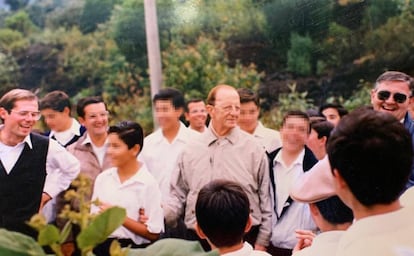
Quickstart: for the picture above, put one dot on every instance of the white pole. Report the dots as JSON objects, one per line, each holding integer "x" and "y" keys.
{"x": 153, "y": 50}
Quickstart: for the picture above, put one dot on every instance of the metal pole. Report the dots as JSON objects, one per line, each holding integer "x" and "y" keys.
{"x": 153, "y": 50}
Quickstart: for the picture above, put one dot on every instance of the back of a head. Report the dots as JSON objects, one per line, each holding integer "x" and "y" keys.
{"x": 372, "y": 151}
{"x": 172, "y": 94}
{"x": 222, "y": 212}
{"x": 334, "y": 211}
{"x": 323, "y": 128}
{"x": 55, "y": 100}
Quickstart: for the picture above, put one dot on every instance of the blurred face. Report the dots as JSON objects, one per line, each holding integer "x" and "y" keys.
{"x": 197, "y": 115}
{"x": 331, "y": 115}
{"x": 96, "y": 119}
{"x": 21, "y": 119}
{"x": 391, "y": 97}
{"x": 55, "y": 120}
{"x": 294, "y": 133}
{"x": 119, "y": 152}
{"x": 249, "y": 115}
{"x": 226, "y": 110}
{"x": 167, "y": 116}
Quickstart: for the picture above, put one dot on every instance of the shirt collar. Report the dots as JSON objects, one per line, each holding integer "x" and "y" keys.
{"x": 182, "y": 134}
{"x": 74, "y": 128}
{"x": 89, "y": 141}
{"x": 298, "y": 160}
{"x": 232, "y": 136}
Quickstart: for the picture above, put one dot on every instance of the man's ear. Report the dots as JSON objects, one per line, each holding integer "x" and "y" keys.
{"x": 66, "y": 110}
{"x": 199, "y": 232}
{"x": 339, "y": 180}
{"x": 81, "y": 120}
{"x": 248, "y": 224}
{"x": 314, "y": 209}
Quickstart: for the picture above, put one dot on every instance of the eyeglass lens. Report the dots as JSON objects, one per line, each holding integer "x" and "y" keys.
{"x": 398, "y": 97}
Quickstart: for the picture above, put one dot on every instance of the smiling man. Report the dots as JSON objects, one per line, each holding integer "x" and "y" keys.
{"x": 33, "y": 168}
{"x": 393, "y": 94}
{"x": 224, "y": 151}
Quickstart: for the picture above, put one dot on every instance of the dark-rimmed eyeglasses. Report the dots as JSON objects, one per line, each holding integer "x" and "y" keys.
{"x": 398, "y": 97}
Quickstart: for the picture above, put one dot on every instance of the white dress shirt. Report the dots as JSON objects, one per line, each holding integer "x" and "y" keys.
{"x": 61, "y": 166}
{"x": 65, "y": 136}
{"x": 139, "y": 191}
{"x": 160, "y": 156}
{"x": 270, "y": 139}
{"x": 298, "y": 214}
{"x": 324, "y": 244}
{"x": 246, "y": 250}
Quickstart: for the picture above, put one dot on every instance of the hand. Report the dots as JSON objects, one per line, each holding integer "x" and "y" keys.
{"x": 305, "y": 238}
{"x": 45, "y": 198}
{"x": 141, "y": 216}
{"x": 259, "y": 247}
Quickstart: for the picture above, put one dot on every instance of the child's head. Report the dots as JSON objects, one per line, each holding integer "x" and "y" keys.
{"x": 130, "y": 133}
{"x": 222, "y": 212}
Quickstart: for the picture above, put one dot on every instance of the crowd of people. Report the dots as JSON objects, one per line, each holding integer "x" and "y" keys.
{"x": 327, "y": 183}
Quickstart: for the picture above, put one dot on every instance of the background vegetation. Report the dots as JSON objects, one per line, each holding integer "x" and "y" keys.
{"x": 296, "y": 53}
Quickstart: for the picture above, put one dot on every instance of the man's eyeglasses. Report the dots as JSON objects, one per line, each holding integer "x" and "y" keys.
{"x": 398, "y": 97}
{"x": 23, "y": 114}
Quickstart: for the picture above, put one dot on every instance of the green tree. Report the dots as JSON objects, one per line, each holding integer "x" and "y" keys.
{"x": 195, "y": 69}
{"x": 95, "y": 12}
{"x": 21, "y": 22}
{"x": 300, "y": 54}
{"x": 17, "y": 4}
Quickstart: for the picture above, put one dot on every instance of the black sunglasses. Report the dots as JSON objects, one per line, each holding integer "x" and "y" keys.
{"x": 398, "y": 97}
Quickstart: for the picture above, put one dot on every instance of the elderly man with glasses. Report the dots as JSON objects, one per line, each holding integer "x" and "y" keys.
{"x": 393, "y": 94}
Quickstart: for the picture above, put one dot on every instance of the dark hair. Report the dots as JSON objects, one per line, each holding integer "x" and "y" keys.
{"x": 176, "y": 97}
{"x": 341, "y": 110}
{"x": 396, "y": 76}
{"x": 222, "y": 211}
{"x": 334, "y": 211}
{"x": 195, "y": 100}
{"x": 82, "y": 103}
{"x": 323, "y": 128}
{"x": 373, "y": 153}
{"x": 55, "y": 100}
{"x": 248, "y": 95}
{"x": 296, "y": 113}
{"x": 129, "y": 132}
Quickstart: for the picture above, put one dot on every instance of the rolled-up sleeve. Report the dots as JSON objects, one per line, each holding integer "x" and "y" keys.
{"x": 61, "y": 167}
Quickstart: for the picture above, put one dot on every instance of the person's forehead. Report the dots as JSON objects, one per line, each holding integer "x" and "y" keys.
{"x": 95, "y": 107}
{"x": 198, "y": 104}
{"x": 394, "y": 86}
{"x": 296, "y": 120}
{"x": 227, "y": 95}
{"x": 330, "y": 111}
{"x": 25, "y": 103}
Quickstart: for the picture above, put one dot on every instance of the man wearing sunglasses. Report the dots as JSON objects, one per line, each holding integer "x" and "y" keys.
{"x": 393, "y": 94}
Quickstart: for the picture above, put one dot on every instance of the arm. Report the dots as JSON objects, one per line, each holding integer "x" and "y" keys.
{"x": 61, "y": 167}
{"x": 174, "y": 205}
{"x": 263, "y": 236}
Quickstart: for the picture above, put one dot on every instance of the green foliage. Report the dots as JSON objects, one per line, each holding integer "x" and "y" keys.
{"x": 293, "y": 100}
{"x": 300, "y": 54}
{"x": 9, "y": 72}
{"x": 195, "y": 69}
{"x": 21, "y": 22}
{"x": 95, "y": 12}
{"x": 16, "y": 4}
{"x": 360, "y": 97}
{"x": 379, "y": 11}
{"x": 12, "y": 40}
{"x": 61, "y": 14}
{"x": 16, "y": 244}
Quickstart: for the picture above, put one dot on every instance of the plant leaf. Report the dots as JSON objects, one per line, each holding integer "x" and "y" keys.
{"x": 17, "y": 244}
{"x": 101, "y": 227}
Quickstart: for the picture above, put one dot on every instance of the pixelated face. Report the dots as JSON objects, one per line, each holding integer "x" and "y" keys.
{"x": 167, "y": 116}
{"x": 294, "y": 133}
{"x": 249, "y": 115}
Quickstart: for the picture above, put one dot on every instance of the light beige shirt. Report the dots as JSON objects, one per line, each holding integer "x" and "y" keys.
{"x": 236, "y": 157}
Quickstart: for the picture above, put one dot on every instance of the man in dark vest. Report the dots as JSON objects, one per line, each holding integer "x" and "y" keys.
{"x": 33, "y": 168}
{"x": 286, "y": 165}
